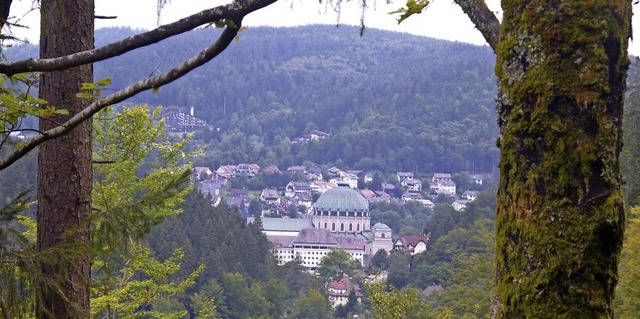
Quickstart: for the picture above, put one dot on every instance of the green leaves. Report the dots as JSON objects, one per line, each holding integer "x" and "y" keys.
{"x": 228, "y": 23}
{"x": 144, "y": 182}
{"x": 16, "y": 102}
{"x": 90, "y": 91}
{"x": 413, "y": 7}
{"x": 131, "y": 298}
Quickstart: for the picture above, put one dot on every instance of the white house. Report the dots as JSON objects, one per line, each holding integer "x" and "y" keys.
{"x": 437, "y": 177}
{"x": 321, "y": 186}
{"x": 408, "y": 196}
{"x": 459, "y": 204}
{"x": 296, "y": 187}
{"x": 444, "y": 187}
{"x": 477, "y": 179}
{"x": 226, "y": 171}
{"x": 404, "y": 176}
{"x": 412, "y": 244}
{"x": 412, "y": 185}
{"x": 346, "y": 179}
{"x": 270, "y": 196}
{"x": 302, "y": 199}
{"x": 426, "y": 203}
{"x": 368, "y": 177}
{"x": 339, "y": 292}
{"x": 470, "y": 195}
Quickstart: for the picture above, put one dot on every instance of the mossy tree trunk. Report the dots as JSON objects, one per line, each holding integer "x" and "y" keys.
{"x": 64, "y": 164}
{"x": 561, "y": 68}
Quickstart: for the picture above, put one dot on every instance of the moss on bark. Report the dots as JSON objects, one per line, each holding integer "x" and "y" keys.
{"x": 561, "y": 67}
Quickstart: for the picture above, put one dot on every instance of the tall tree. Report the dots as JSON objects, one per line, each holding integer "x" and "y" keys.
{"x": 64, "y": 164}
{"x": 64, "y": 161}
{"x": 561, "y": 69}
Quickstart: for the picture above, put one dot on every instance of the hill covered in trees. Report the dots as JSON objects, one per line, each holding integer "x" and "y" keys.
{"x": 387, "y": 99}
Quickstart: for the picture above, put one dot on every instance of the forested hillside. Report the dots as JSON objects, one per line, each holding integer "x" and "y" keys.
{"x": 388, "y": 99}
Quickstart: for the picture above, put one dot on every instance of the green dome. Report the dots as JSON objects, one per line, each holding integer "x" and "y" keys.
{"x": 341, "y": 199}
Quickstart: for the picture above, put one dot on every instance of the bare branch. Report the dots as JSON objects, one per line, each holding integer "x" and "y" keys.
{"x": 203, "y": 57}
{"x": 485, "y": 21}
{"x": 233, "y": 11}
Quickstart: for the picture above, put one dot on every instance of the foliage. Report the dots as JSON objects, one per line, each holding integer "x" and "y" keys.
{"x": 18, "y": 103}
{"x": 141, "y": 179}
{"x": 310, "y": 305}
{"x": 396, "y": 304}
{"x": 398, "y": 269}
{"x": 382, "y": 115}
{"x": 217, "y": 237}
{"x": 243, "y": 299}
{"x": 18, "y": 263}
{"x": 140, "y": 182}
{"x": 462, "y": 262}
{"x": 630, "y": 154}
{"x": 412, "y": 7}
{"x": 399, "y": 216}
{"x": 627, "y": 303}
{"x": 379, "y": 260}
{"x": 336, "y": 264}
{"x": 144, "y": 282}
{"x": 208, "y": 302}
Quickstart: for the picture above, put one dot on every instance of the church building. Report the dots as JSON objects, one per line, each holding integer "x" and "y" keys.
{"x": 340, "y": 220}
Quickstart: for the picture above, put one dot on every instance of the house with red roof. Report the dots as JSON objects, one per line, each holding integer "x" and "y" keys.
{"x": 339, "y": 291}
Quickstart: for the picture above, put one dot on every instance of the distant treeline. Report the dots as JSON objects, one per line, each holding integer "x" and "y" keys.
{"x": 388, "y": 99}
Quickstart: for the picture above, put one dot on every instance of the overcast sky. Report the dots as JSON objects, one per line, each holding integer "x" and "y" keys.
{"x": 443, "y": 19}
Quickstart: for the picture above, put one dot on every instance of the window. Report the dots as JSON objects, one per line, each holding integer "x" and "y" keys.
{"x": 358, "y": 228}
{"x": 333, "y": 226}
{"x": 382, "y": 235}
{"x": 350, "y": 227}
{"x": 341, "y": 227}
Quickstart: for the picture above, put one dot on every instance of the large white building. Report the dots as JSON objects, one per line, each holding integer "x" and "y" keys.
{"x": 340, "y": 220}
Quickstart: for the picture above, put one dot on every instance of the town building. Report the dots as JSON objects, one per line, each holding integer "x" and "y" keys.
{"x": 460, "y": 204}
{"x": 477, "y": 179}
{"x": 412, "y": 244}
{"x": 183, "y": 122}
{"x": 339, "y": 292}
{"x": 340, "y": 220}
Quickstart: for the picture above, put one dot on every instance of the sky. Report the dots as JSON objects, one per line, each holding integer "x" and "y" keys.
{"x": 443, "y": 19}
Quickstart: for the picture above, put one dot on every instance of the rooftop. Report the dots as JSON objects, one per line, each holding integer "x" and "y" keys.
{"x": 341, "y": 199}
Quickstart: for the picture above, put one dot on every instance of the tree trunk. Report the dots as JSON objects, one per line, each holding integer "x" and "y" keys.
{"x": 64, "y": 164}
{"x": 561, "y": 68}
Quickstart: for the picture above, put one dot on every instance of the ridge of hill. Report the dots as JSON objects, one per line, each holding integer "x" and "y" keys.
{"x": 388, "y": 99}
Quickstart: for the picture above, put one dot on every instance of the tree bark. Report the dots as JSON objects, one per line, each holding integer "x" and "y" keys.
{"x": 64, "y": 164}
{"x": 561, "y": 68}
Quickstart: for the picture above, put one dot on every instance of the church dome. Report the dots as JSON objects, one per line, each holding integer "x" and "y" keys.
{"x": 380, "y": 226}
{"x": 341, "y": 199}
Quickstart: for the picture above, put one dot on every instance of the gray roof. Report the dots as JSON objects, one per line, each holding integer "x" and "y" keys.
{"x": 341, "y": 199}
{"x": 324, "y": 236}
{"x": 315, "y": 236}
{"x": 441, "y": 176}
{"x": 380, "y": 226}
{"x": 286, "y": 224}
{"x": 281, "y": 241}
{"x": 350, "y": 242}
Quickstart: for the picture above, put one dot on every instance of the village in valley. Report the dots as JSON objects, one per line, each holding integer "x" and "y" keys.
{"x": 319, "y": 210}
